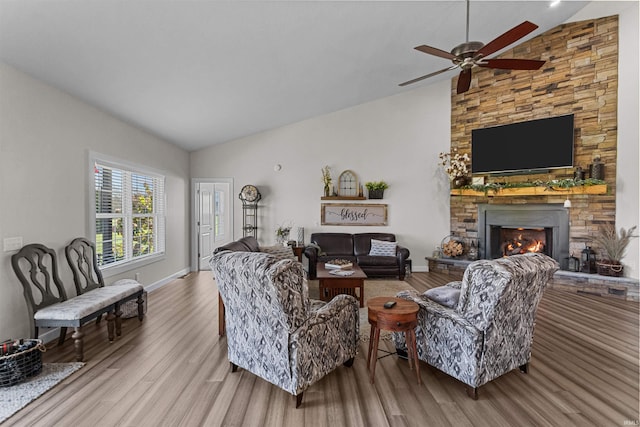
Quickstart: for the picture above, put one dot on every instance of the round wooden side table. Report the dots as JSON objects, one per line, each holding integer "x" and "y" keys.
{"x": 402, "y": 317}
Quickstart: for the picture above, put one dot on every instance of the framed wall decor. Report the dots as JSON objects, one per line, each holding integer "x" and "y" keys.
{"x": 353, "y": 214}
{"x": 348, "y": 184}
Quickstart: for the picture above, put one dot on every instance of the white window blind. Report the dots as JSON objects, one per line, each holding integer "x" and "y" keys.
{"x": 129, "y": 214}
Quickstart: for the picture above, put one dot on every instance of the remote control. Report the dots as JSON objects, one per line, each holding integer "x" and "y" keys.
{"x": 389, "y": 304}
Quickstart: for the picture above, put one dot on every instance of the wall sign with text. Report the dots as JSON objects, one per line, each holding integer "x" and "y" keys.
{"x": 353, "y": 214}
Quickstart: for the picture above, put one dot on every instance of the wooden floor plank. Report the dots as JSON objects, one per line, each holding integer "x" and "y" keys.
{"x": 172, "y": 369}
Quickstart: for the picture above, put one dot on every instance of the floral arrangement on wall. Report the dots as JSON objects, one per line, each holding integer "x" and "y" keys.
{"x": 455, "y": 164}
{"x": 326, "y": 180}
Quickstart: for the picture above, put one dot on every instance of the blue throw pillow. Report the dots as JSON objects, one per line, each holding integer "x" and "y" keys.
{"x": 382, "y": 248}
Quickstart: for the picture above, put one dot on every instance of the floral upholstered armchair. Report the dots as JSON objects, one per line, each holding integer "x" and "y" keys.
{"x": 274, "y": 330}
{"x": 482, "y": 327}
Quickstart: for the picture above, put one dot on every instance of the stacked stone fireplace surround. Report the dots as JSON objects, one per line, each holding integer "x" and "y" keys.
{"x": 580, "y": 77}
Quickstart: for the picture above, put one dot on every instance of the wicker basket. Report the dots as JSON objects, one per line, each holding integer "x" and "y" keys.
{"x": 452, "y": 247}
{"x": 17, "y": 367}
{"x": 130, "y": 308}
{"x": 606, "y": 269}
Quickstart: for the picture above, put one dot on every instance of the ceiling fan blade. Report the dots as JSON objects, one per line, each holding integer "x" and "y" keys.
{"x": 435, "y": 51}
{"x": 511, "y": 64}
{"x": 464, "y": 81}
{"x": 428, "y": 75}
{"x": 506, "y": 39}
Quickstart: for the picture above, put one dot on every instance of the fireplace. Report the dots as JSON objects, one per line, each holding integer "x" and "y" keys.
{"x": 505, "y": 230}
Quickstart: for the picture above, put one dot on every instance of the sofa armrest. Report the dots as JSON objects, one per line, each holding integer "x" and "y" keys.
{"x": 402, "y": 255}
{"x": 311, "y": 252}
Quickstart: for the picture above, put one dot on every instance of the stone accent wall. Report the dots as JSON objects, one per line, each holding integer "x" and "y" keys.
{"x": 579, "y": 77}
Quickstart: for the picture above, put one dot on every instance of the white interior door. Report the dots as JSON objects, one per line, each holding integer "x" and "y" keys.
{"x": 213, "y": 219}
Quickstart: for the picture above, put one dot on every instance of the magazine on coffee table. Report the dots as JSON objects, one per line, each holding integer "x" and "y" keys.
{"x": 341, "y": 272}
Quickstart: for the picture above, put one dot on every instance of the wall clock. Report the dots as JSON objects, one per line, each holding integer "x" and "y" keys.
{"x": 249, "y": 193}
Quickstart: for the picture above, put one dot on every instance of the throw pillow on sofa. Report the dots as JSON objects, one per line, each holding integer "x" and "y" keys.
{"x": 447, "y": 296}
{"x": 382, "y": 248}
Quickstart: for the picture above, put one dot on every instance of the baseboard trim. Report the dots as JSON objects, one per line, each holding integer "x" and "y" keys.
{"x": 160, "y": 283}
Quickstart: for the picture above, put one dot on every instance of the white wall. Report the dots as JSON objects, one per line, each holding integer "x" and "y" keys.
{"x": 396, "y": 139}
{"x": 45, "y": 136}
{"x": 627, "y": 180}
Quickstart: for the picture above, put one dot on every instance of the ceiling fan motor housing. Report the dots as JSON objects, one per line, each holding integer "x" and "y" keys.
{"x": 467, "y": 50}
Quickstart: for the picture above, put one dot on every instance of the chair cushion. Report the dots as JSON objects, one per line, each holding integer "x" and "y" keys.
{"x": 83, "y": 305}
{"x": 375, "y": 260}
{"x": 382, "y": 248}
{"x": 444, "y": 295}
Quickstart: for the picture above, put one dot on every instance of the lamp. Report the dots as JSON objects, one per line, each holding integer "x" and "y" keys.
{"x": 588, "y": 260}
{"x": 567, "y": 203}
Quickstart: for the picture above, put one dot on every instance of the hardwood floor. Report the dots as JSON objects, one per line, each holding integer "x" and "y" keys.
{"x": 172, "y": 370}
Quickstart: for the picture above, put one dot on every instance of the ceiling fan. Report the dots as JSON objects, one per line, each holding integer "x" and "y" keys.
{"x": 472, "y": 54}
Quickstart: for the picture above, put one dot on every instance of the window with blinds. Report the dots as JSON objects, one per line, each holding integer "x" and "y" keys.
{"x": 129, "y": 214}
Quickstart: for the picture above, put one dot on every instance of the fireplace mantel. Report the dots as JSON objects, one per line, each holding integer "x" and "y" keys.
{"x": 533, "y": 191}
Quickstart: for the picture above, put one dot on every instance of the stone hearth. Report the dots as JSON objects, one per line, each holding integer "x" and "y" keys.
{"x": 581, "y": 283}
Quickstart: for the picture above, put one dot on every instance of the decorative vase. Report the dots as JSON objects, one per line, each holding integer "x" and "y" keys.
{"x": 596, "y": 169}
{"x": 458, "y": 182}
{"x": 282, "y": 239}
{"x": 327, "y": 191}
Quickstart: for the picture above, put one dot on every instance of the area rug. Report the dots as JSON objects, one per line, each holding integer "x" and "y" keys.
{"x": 16, "y": 397}
{"x": 372, "y": 288}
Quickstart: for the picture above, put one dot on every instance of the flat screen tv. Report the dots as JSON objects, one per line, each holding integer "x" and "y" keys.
{"x": 523, "y": 147}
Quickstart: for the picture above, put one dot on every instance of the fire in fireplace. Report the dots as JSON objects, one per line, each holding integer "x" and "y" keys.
{"x": 522, "y": 240}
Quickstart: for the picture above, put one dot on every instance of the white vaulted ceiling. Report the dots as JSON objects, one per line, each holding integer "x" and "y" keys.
{"x": 198, "y": 73}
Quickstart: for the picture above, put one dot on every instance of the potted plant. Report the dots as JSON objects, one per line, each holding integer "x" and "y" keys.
{"x": 376, "y": 189}
{"x": 282, "y": 233}
{"x": 614, "y": 245}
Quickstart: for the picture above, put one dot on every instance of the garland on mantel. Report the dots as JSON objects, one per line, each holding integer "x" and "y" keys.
{"x": 552, "y": 185}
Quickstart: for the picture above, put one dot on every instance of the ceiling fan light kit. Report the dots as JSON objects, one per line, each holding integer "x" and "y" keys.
{"x": 472, "y": 54}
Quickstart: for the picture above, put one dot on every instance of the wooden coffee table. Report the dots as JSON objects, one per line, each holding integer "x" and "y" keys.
{"x": 332, "y": 285}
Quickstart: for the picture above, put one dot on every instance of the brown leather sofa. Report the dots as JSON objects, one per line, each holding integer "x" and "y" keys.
{"x": 355, "y": 247}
